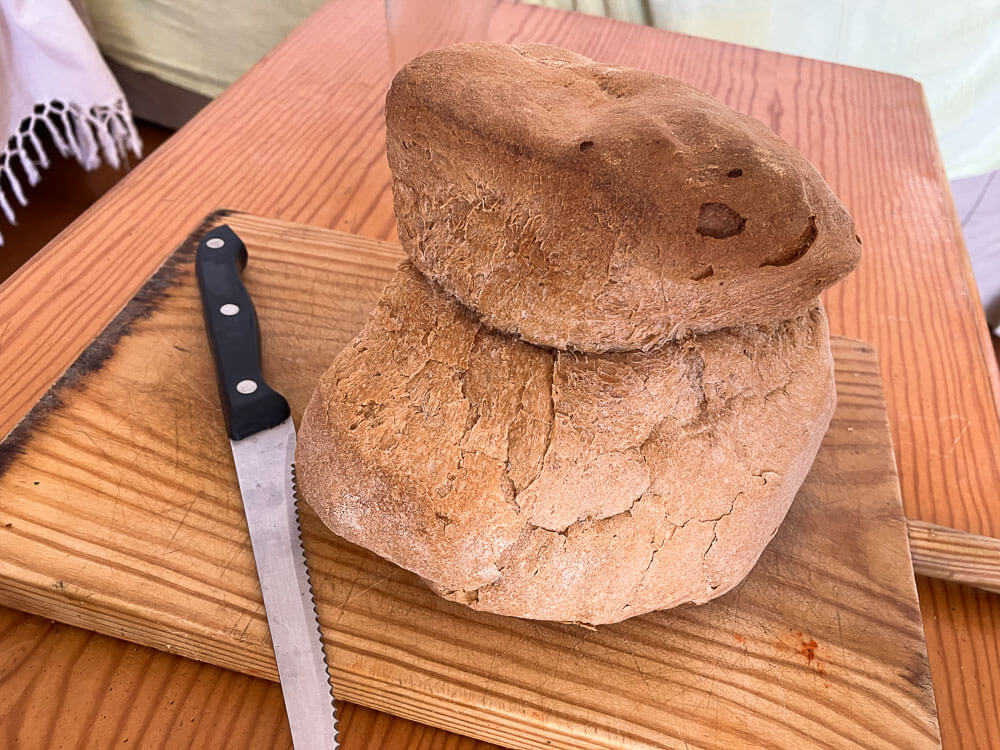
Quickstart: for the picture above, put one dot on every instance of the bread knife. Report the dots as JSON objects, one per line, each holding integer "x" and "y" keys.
{"x": 262, "y": 436}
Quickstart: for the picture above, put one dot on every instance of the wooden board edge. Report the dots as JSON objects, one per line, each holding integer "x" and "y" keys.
{"x": 141, "y": 305}
{"x": 468, "y": 718}
{"x": 883, "y": 409}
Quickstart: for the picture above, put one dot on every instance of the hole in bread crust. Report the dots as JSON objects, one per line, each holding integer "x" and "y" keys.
{"x": 704, "y": 273}
{"x": 719, "y": 221}
{"x": 804, "y": 242}
{"x": 610, "y": 85}
{"x": 735, "y": 172}
{"x": 586, "y": 145}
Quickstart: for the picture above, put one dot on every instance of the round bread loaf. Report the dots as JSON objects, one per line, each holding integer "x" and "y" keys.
{"x": 560, "y": 486}
{"x": 598, "y": 208}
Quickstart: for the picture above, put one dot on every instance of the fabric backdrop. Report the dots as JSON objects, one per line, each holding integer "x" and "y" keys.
{"x": 952, "y": 47}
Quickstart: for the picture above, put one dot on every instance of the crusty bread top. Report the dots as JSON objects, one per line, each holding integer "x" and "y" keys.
{"x": 599, "y": 208}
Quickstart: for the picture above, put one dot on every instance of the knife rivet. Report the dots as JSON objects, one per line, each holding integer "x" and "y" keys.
{"x": 215, "y": 243}
{"x": 229, "y": 309}
{"x": 246, "y": 386}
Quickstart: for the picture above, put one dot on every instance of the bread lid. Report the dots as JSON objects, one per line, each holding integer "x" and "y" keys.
{"x": 598, "y": 208}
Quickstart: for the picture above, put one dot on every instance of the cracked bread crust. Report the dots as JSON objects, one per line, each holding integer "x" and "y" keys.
{"x": 598, "y": 208}
{"x": 559, "y": 486}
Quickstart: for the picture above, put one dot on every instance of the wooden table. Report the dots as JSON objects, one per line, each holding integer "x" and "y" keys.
{"x": 300, "y": 137}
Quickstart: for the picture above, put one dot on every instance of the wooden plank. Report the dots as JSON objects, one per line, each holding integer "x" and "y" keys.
{"x": 940, "y": 552}
{"x": 121, "y": 513}
{"x": 58, "y": 689}
{"x": 300, "y": 137}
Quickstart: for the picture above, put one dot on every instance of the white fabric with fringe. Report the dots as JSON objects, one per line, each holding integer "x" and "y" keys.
{"x": 51, "y": 73}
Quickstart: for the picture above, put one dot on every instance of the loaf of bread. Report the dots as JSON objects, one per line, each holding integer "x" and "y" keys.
{"x": 555, "y": 485}
{"x": 604, "y": 373}
{"x": 592, "y": 207}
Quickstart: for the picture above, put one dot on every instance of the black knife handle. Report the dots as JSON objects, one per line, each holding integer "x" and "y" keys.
{"x": 248, "y": 403}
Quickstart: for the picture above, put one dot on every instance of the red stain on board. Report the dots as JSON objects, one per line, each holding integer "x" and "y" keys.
{"x": 739, "y": 638}
{"x": 808, "y": 650}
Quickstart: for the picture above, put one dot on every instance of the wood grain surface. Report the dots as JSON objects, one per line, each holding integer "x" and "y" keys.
{"x": 942, "y": 552}
{"x": 59, "y": 689}
{"x": 122, "y": 513}
{"x": 300, "y": 137}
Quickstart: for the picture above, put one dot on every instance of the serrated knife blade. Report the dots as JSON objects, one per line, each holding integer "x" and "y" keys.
{"x": 262, "y": 437}
{"x": 264, "y": 467}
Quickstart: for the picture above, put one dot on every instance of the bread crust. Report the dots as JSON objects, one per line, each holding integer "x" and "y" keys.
{"x": 560, "y": 486}
{"x": 598, "y": 208}
{"x": 604, "y": 373}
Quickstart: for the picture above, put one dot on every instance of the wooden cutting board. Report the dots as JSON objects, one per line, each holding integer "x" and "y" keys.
{"x": 119, "y": 512}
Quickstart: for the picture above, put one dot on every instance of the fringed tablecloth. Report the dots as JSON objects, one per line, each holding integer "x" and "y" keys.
{"x": 53, "y": 79}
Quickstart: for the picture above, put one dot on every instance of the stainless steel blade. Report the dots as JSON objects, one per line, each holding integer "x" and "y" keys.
{"x": 264, "y": 466}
